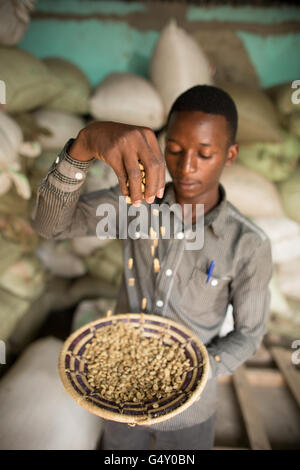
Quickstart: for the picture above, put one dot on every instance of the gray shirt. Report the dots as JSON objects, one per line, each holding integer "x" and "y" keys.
{"x": 243, "y": 268}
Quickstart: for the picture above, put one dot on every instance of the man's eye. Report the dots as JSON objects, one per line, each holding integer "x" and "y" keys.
{"x": 204, "y": 156}
{"x": 174, "y": 152}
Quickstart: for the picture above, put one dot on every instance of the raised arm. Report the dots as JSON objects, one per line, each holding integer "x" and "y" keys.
{"x": 61, "y": 212}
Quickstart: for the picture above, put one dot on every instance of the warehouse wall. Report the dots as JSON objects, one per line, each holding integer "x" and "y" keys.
{"x": 106, "y": 36}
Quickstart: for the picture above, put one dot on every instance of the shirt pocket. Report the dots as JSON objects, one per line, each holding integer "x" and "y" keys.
{"x": 199, "y": 297}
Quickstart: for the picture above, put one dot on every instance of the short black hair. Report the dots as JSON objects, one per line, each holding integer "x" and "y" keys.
{"x": 208, "y": 99}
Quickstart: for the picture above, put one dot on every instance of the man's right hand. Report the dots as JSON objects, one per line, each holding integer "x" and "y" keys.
{"x": 122, "y": 146}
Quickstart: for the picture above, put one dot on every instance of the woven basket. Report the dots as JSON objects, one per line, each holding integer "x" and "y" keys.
{"x": 73, "y": 371}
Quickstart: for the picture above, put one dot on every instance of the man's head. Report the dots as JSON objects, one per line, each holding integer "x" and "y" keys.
{"x": 200, "y": 140}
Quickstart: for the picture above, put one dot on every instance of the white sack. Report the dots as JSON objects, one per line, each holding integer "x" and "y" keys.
{"x": 36, "y": 413}
{"x": 177, "y": 64}
{"x": 251, "y": 193}
{"x": 62, "y": 126}
{"x": 128, "y": 98}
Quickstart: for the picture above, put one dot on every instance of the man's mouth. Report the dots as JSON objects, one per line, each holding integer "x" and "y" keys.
{"x": 187, "y": 184}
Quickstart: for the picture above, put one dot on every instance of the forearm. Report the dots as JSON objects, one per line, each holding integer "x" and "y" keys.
{"x": 226, "y": 354}
{"x": 58, "y": 196}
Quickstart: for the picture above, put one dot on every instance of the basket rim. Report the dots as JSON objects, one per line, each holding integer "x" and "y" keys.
{"x": 114, "y": 416}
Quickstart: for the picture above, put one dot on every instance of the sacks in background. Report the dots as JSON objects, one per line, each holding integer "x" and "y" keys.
{"x": 58, "y": 258}
{"x": 290, "y": 195}
{"x": 257, "y": 117}
{"x": 24, "y": 278}
{"x": 16, "y": 237}
{"x": 289, "y": 278}
{"x": 12, "y": 203}
{"x": 29, "y": 84}
{"x": 74, "y": 98}
{"x": 251, "y": 193}
{"x": 36, "y": 412}
{"x": 107, "y": 263}
{"x": 61, "y": 125}
{"x": 84, "y": 246}
{"x": 12, "y": 309}
{"x": 177, "y": 64}
{"x": 100, "y": 176}
{"x": 90, "y": 310}
{"x": 278, "y": 303}
{"x": 14, "y": 20}
{"x": 282, "y": 97}
{"x": 273, "y": 160}
{"x": 128, "y": 98}
{"x": 284, "y": 234}
{"x": 294, "y": 123}
{"x": 10, "y": 140}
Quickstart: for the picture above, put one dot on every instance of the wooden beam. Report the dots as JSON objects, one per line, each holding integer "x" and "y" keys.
{"x": 259, "y": 377}
{"x": 257, "y": 436}
{"x": 283, "y": 359}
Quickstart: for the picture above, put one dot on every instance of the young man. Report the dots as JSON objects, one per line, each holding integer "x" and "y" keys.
{"x": 200, "y": 142}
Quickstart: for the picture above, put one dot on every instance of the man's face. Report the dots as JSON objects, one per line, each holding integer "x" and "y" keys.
{"x": 196, "y": 152}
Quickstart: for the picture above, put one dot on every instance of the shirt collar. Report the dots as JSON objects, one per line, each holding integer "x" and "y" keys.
{"x": 215, "y": 218}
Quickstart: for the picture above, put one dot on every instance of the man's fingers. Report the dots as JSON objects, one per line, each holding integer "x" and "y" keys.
{"x": 134, "y": 176}
{"x": 153, "y": 143}
{"x": 117, "y": 164}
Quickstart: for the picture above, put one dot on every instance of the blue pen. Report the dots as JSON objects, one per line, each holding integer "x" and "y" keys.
{"x": 210, "y": 271}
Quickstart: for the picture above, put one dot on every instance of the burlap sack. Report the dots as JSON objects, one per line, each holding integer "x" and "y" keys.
{"x": 274, "y": 160}
{"x": 258, "y": 121}
{"x": 29, "y": 84}
{"x": 74, "y": 98}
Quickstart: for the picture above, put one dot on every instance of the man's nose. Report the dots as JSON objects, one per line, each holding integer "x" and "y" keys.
{"x": 188, "y": 163}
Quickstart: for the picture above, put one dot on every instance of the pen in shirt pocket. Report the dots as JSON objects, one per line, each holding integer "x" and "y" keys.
{"x": 210, "y": 271}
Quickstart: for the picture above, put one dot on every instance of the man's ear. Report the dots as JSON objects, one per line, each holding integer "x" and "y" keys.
{"x": 232, "y": 154}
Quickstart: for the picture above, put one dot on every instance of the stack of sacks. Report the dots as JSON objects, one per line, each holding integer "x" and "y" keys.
{"x": 36, "y": 413}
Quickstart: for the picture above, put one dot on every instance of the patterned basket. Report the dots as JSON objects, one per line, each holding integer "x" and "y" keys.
{"x": 73, "y": 371}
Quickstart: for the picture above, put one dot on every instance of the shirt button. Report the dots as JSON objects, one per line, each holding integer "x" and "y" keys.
{"x": 180, "y": 235}
{"x": 159, "y": 303}
{"x": 214, "y": 282}
{"x": 79, "y": 176}
{"x": 57, "y": 160}
{"x": 169, "y": 272}
{"x": 217, "y": 358}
